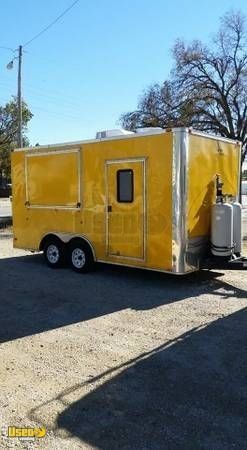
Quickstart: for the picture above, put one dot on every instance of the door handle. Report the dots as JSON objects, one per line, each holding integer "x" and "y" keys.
{"x": 109, "y": 208}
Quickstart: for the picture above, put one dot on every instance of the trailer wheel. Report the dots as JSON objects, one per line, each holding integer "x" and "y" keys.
{"x": 54, "y": 252}
{"x": 80, "y": 256}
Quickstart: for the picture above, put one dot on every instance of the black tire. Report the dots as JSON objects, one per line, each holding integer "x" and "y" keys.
{"x": 54, "y": 252}
{"x": 80, "y": 256}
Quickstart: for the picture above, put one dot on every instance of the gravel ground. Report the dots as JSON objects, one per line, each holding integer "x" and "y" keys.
{"x": 122, "y": 358}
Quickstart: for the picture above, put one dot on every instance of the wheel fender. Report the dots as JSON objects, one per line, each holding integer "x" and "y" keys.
{"x": 66, "y": 238}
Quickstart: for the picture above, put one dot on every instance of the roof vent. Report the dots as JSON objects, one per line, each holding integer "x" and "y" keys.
{"x": 111, "y": 133}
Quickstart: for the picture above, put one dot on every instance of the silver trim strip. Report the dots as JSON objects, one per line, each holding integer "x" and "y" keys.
{"x": 179, "y": 199}
{"x": 185, "y": 206}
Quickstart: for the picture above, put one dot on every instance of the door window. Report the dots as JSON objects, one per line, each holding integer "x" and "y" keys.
{"x": 125, "y": 186}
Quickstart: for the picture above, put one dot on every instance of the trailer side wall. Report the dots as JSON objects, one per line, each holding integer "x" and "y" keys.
{"x": 206, "y": 158}
{"x": 32, "y": 222}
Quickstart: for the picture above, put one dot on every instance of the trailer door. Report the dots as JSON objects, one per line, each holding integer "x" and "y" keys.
{"x": 125, "y": 194}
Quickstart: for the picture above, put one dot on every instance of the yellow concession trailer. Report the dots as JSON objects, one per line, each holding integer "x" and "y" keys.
{"x": 140, "y": 199}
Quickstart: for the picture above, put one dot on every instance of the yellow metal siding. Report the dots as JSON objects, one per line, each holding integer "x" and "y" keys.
{"x": 126, "y": 220}
{"x": 208, "y": 157}
{"x": 158, "y": 153}
{"x": 60, "y": 189}
{"x": 31, "y": 224}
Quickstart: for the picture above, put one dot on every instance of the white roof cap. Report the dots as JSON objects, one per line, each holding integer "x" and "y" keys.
{"x": 148, "y": 129}
{"x": 111, "y": 133}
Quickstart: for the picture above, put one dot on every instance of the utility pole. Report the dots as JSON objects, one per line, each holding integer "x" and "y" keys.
{"x": 19, "y": 100}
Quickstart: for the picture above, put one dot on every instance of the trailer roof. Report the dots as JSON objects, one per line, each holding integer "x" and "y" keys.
{"x": 128, "y": 136}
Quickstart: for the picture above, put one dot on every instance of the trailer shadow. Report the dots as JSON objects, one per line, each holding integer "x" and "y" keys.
{"x": 189, "y": 393}
{"x": 34, "y": 298}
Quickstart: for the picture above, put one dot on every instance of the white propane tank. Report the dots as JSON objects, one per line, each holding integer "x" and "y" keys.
{"x": 222, "y": 229}
{"x": 237, "y": 227}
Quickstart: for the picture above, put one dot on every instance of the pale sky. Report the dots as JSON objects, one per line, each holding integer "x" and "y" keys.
{"x": 94, "y": 63}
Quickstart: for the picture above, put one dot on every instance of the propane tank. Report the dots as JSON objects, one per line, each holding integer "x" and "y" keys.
{"x": 222, "y": 229}
{"x": 237, "y": 227}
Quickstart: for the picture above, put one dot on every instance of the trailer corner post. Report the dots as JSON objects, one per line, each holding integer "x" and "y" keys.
{"x": 179, "y": 199}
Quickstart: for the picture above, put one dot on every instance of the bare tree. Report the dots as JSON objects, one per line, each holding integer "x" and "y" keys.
{"x": 207, "y": 88}
{"x": 160, "y": 106}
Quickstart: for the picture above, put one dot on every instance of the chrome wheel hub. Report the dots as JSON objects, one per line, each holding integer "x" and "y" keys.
{"x": 52, "y": 254}
{"x": 78, "y": 258}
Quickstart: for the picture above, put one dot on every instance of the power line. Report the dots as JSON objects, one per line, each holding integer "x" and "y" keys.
{"x": 8, "y": 48}
{"x": 51, "y": 24}
{"x": 40, "y": 92}
{"x": 56, "y": 113}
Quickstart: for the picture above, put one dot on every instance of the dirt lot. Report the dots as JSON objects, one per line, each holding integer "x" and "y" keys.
{"x": 122, "y": 359}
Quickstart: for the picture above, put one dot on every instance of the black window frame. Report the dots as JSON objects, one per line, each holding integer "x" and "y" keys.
{"x": 118, "y": 186}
